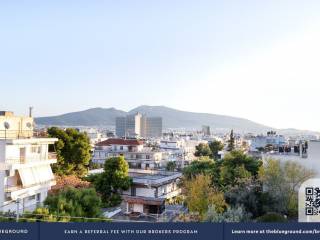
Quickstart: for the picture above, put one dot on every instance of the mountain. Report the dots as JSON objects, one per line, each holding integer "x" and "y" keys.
{"x": 172, "y": 118}
{"x": 90, "y": 117}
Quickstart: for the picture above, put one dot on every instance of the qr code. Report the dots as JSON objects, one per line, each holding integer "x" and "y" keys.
{"x": 312, "y": 201}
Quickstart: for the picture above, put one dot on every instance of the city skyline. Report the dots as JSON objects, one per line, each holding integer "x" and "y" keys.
{"x": 251, "y": 60}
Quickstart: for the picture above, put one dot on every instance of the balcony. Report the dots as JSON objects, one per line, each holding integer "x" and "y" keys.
{"x": 51, "y": 156}
{"x": 20, "y": 191}
{"x": 16, "y": 134}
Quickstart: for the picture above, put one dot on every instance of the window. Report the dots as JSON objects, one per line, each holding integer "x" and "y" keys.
{"x": 38, "y": 197}
{"x": 121, "y": 147}
{"x": 35, "y": 149}
{"x": 33, "y": 197}
{"x": 133, "y": 191}
{"x": 147, "y": 156}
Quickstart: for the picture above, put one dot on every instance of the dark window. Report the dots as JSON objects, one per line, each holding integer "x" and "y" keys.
{"x": 133, "y": 191}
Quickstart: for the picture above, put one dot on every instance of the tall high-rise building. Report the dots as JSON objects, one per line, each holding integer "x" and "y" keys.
{"x": 206, "y": 130}
{"x": 153, "y": 127}
{"x": 138, "y": 125}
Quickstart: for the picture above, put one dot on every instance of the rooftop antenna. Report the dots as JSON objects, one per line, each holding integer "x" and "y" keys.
{"x": 30, "y": 111}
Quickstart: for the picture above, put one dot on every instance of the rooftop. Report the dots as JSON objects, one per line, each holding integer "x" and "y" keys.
{"x": 152, "y": 177}
{"x": 120, "y": 141}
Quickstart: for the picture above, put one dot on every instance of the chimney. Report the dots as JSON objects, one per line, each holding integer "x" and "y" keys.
{"x": 30, "y": 111}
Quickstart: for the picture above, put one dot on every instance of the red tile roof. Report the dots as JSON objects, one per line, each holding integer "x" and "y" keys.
{"x": 120, "y": 141}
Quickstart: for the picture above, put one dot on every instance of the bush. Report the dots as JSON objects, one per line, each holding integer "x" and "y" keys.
{"x": 230, "y": 215}
{"x": 272, "y": 217}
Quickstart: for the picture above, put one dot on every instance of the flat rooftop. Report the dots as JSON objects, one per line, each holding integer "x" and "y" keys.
{"x": 147, "y": 177}
{"x": 152, "y": 177}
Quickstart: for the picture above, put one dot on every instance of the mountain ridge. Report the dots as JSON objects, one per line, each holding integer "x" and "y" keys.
{"x": 172, "y": 118}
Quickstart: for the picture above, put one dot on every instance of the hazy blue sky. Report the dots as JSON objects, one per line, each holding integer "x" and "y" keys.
{"x": 254, "y": 59}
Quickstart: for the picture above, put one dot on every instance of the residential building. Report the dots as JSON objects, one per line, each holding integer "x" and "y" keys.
{"x": 150, "y": 190}
{"x": 261, "y": 141}
{"x": 12, "y": 126}
{"x": 25, "y": 171}
{"x": 133, "y": 151}
{"x": 94, "y": 135}
{"x": 307, "y": 157}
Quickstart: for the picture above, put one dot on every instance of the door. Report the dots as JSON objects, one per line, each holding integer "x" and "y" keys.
{"x": 22, "y": 155}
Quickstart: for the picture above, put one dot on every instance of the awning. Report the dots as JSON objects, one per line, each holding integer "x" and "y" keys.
{"x": 143, "y": 200}
{"x": 35, "y": 175}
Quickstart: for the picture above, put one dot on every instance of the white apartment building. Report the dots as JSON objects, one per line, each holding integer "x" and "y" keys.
{"x": 150, "y": 190}
{"x": 94, "y": 135}
{"x": 310, "y": 159}
{"x": 181, "y": 151}
{"x": 25, "y": 171}
{"x": 262, "y": 141}
{"x": 133, "y": 151}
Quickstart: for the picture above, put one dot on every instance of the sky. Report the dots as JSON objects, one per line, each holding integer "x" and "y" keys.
{"x": 253, "y": 59}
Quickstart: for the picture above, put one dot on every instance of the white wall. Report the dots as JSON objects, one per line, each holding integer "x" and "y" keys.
{"x": 145, "y": 192}
{"x": 138, "y": 208}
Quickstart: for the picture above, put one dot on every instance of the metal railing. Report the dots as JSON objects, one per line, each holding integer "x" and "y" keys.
{"x": 31, "y": 159}
{"x": 15, "y": 134}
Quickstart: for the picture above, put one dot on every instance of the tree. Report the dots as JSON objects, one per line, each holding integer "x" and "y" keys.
{"x": 72, "y": 202}
{"x": 73, "y": 151}
{"x": 215, "y": 146}
{"x": 113, "y": 180}
{"x": 202, "y": 166}
{"x": 171, "y": 166}
{"x": 282, "y": 183}
{"x": 248, "y": 194}
{"x": 203, "y": 150}
{"x": 231, "y": 142}
{"x": 69, "y": 181}
{"x": 237, "y": 165}
{"x": 200, "y": 195}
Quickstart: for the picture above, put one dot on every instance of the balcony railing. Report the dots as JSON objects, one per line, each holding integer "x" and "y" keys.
{"x": 31, "y": 159}
{"x": 18, "y": 187}
{"x": 52, "y": 155}
{"x": 15, "y": 134}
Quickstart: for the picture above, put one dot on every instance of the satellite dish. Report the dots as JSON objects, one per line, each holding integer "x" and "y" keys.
{"x": 6, "y": 125}
{"x": 29, "y": 125}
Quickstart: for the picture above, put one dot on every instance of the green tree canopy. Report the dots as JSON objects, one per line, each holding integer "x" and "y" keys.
{"x": 215, "y": 146}
{"x": 282, "y": 182}
{"x": 171, "y": 166}
{"x": 74, "y": 203}
{"x": 200, "y": 195}
{"x": 113, "y": 180}
{"x": 204, "y": 166}
{"x": 237, "y": 165}
{"x": 231, "y": 142}
{"x": 203, "y": 149}
{"x": 73, "y": 150}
